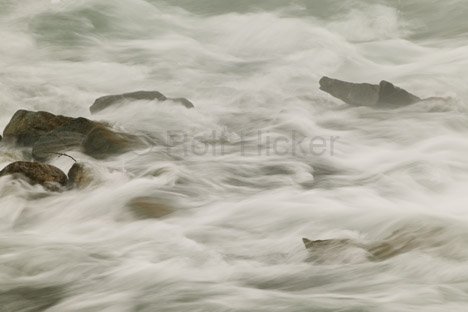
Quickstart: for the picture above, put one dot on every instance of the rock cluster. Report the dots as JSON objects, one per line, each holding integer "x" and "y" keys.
{"x": 48, "y": 135}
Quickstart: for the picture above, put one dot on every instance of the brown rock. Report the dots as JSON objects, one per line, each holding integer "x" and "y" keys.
{"x": 102, "y": 142}
{"x": 79, "y": 176}
{"x": 46, "y": 175}
{"x": 149, "y": 207}
{"x": 25, "y": 127}
{"x": 69, "y": 136}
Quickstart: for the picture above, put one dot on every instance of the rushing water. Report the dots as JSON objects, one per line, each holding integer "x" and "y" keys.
{"x": 241, "y": 204}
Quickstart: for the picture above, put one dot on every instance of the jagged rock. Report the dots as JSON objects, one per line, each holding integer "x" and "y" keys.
{"x": 365, "y": 94}
{"x": 149, "y": 207}
{"x": 79, "y": 176}
{"x": 108, "y": 100}
{"x": 352, "y": 93}
{"x": 46, "y": 175}
{"x": 102, "y": 142}
{"x": 25, "y": 127}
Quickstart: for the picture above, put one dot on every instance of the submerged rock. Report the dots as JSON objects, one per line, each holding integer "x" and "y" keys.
{"x": 26, "y": 127}
{"x": 365, "y": 94}
{"x": 79, "y": 176}
{"x": 46, "y": 175}
{"x": 401, "y": 241}
{"x": 108, "y": 100}
{"x": 149, "y": 207}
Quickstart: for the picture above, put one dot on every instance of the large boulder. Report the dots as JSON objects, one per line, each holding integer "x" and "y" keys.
{"x": 108, "y": 100}
{"x": 46, "y": 175}
{"x": 26, "y": 127}
{"x": 56, "y": 142}
{"x": 70, "y": 136}
{"x": 365, "y": 94}
{"x": 50, "y": 134}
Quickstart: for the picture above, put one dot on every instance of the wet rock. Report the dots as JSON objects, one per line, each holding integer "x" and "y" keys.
{"x": 149, "y": 207}
{"x": 25, "y": 127}
{"x": 365, "y": 94}
{"x": 56, "y": 142}
{"x": 352, "y": 93}
{"x": 80, "y": 176}
{"x": 50, "y": 134}
{"x": 46, "y": 175}
{"x": 183, "y": 101}
{"x": 403, "y": 240}
{"x": 390, "y": 94}
{"x": 102, "y": 142}
{"x": 68, "y": 137}
{"x": 108, "y": 100}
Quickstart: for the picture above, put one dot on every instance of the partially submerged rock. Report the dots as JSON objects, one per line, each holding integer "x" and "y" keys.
{"x": 149, "y": 207}
{"x": 102, "y": 142}
{"x": 108, "y": 100}
{"x": 26, "y": 127}
{"x": 401, "y": 241}
{"x": 79, "y": 176}
{"x": 365, "y": 94}
{"x": 49, "y": 134}
{"x": 46, "y": 175}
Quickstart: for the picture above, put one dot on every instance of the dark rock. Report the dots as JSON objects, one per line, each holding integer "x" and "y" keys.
{"x": 359, "y": 94}
{"x": 25, "y": 127}
{"x": 149, "y": 207}
{"x": 389, "y": 94}
{"x": 365, "y": 94}
{"x": 46, "y": 175}
{"x": 102, "y": 142}
{"x": 108, "y": 100}
{"x": 183, "y": 101}
{"x": 79, "y": 176}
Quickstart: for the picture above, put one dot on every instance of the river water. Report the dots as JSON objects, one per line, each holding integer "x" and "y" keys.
{"x": 264, "y": 159}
